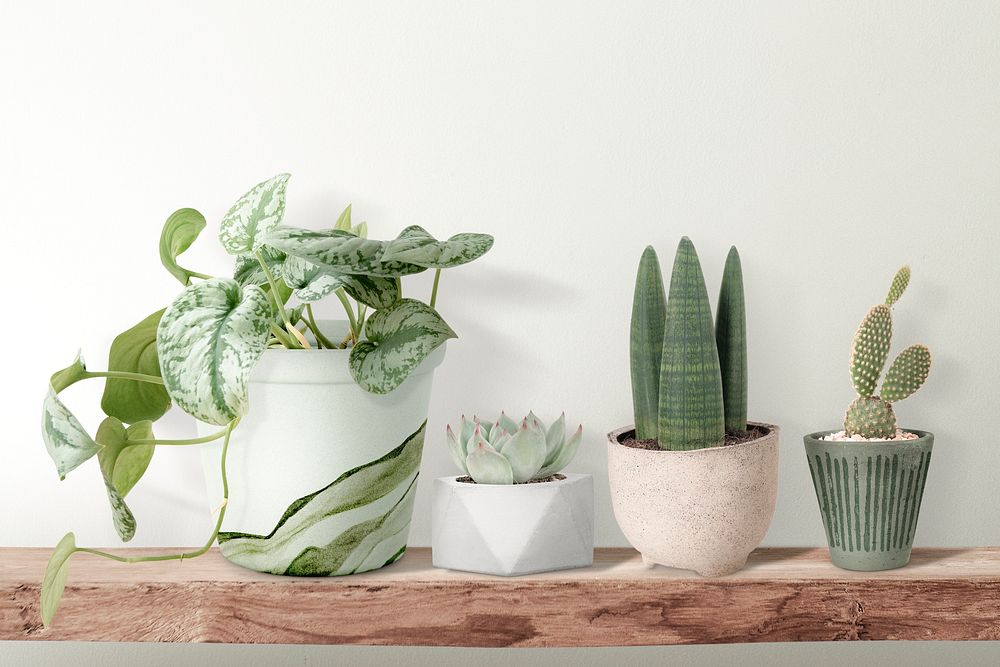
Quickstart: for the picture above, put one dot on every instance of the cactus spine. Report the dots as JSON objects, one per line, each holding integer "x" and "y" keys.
{"x": 646, "y": 344}
{"x": 691, "y": 414}
{"x": 731, "y": 339}
{"x": 870, "y": 415}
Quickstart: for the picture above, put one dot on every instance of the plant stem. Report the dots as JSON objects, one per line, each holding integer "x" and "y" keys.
{"x": 355, "y": 334}
{"x": 189, "y": 441}
{"x": 311, "y": 322}
{"x": 195, "y": 274}
{"x": 302, "y": 342}
{"x": 215, "y": 531}
{"x": 434, "y": 290}
{"x": 282, "y": 337}
{"x": 122, "y": 375}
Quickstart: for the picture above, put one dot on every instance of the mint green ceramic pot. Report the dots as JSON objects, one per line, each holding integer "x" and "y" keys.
{"x": 869, "y": 497}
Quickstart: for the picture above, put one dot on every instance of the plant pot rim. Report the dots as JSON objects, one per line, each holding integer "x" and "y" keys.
{"x": 772, "y": 432}
{"x": 570, "y": 477}
{"x": 817, "y": 438}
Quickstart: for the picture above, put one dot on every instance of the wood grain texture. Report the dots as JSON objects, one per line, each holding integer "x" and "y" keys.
{"x": 782, "y": 595}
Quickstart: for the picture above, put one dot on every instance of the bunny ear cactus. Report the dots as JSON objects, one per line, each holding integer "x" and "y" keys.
{"x": 872, "y": 416}
{"x": 505, "y": 452}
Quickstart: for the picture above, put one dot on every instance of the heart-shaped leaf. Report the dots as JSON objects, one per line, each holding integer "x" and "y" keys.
{"x": 373, "y": 291}
{"x": 338, "y": 250}
{"x": 416, "y": 246}
{"x": 311, "y": 282}
{"x": 134, "y": 351}
{"x": 112, "y": 436}
{"x": 253, "y": 215}
{"x": 209, "y": 341}
{"x": 127, "y": 463}
{"x": 72, "y": 374}
{"x": 54, "y": 579}
{"x": 67, "y": 442}
{"x": 179, "y": 232}
{"x": 397, "y": 340}
{"x": 247, "y": 269}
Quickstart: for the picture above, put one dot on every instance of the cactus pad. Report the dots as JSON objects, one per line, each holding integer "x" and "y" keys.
{"x": 907, "y": 372}
{"x": 870, "y": 349}
{"x": 899, "y": 283}
{"x": 870, "y": 417}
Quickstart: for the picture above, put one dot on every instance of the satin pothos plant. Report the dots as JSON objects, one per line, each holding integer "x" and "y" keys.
{"x": 199, "y": 352}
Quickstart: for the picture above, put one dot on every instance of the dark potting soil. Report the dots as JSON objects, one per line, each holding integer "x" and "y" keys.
{"x": 551, "y": 478}
{"x": 732, "y": 438}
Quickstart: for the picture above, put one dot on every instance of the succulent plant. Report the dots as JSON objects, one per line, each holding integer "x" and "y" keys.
{"x": 871, "y": 415}
{"x": 506, "y": 452}
{"x": 689, "y": 380}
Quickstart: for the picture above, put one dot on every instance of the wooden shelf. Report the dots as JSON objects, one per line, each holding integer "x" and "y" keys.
{"x": 782, "y": 595}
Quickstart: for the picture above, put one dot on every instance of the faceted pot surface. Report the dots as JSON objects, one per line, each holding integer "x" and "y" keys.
{"x": 513, "y": 529}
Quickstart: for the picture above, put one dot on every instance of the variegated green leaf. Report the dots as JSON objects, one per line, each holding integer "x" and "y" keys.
{"x": 209, "y": 341}
{"x": 253, "y": 215}
{"x": 72, "y": 374}
{"x": 112, "y": 436}
{"x": 309, "y": 281}
{"x": 179, "y": 232}
{"x": 67, "y": 442}
{"x": 373, "y": 291}
{"x": 338, "y": 250}
{"x": 134, "y": 351}
{"x": 247, "y": 270}
{"x": 54, "y": 579}
{"x": 397, "y": 340}
{"x": 416, "y": 246}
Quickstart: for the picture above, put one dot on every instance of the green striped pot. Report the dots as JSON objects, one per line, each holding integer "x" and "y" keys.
{"x": 869, "y": 497}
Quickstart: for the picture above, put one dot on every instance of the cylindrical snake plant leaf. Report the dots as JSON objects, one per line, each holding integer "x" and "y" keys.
{"x": 691, "y": 415}
{"x": 899, "y": 283}
{"x": 731, "y": 339}
{"x": 646, "y": 344}
{"x": 907, "y": 373}
{"x": 870, "y": 348}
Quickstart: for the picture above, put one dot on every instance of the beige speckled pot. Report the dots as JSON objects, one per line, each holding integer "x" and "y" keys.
{"x": 703, "y": 510}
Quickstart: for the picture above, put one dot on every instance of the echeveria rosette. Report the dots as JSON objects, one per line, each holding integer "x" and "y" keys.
{"x": 505, "y": 452}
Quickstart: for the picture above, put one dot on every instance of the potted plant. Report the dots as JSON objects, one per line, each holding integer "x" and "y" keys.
{"x": 512, "y": 512}
{"x": 870, "y": 475}
{"x": 693, "y": 483}
{"x": 327, "y": 462}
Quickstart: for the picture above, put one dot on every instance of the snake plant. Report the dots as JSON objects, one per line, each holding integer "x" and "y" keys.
{"x": 198, "y": 352}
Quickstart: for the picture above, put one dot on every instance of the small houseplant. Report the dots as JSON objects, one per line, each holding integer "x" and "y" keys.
{"x": 512, "y": 512}
{"x": 870, "y": 476}
{"x": 327, "y": 463}
{"x": 693, "y": 483}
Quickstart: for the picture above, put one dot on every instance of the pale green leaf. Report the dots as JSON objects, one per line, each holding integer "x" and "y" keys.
{"x": 134, "y": 351}
{"x": 54, "y": 579}
{"x": 179, "y": 232}
{"x": 344, "y": 221}
{"x": 416, "y": 246}
{"x": 397, "y": 339}
{"x": 67, "y": 442}
{"x": 373, "y": 291}
{"x": 507, "y": 424}
{"x": 525, "y": 452}
{"x": 253, "y": 215}
{"x": 126, "y": 463}
{"x": 555, "y": 438}
{"x": 457, "y": 451}
{"x": 72, "y": 374}
{"x": 564, "y": 455}
{"x": 112, "y": 436}
{"x": 309, "y": 281}
{"x": 338, "y": 250}
{"x": 487, "y": 466}
{"x": 209, "y": 341}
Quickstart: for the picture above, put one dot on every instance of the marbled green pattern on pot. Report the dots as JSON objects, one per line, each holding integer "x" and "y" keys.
{"x": 869, "y": 497}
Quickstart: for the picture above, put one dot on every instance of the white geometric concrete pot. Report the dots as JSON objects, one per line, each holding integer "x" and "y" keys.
{"x": 513, "y": 529}
{"x": 704, "y": 509}
{"x": 322, "y": 474}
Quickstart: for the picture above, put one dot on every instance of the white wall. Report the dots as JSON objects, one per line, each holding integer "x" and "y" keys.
{"x": 830, "y": 142}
